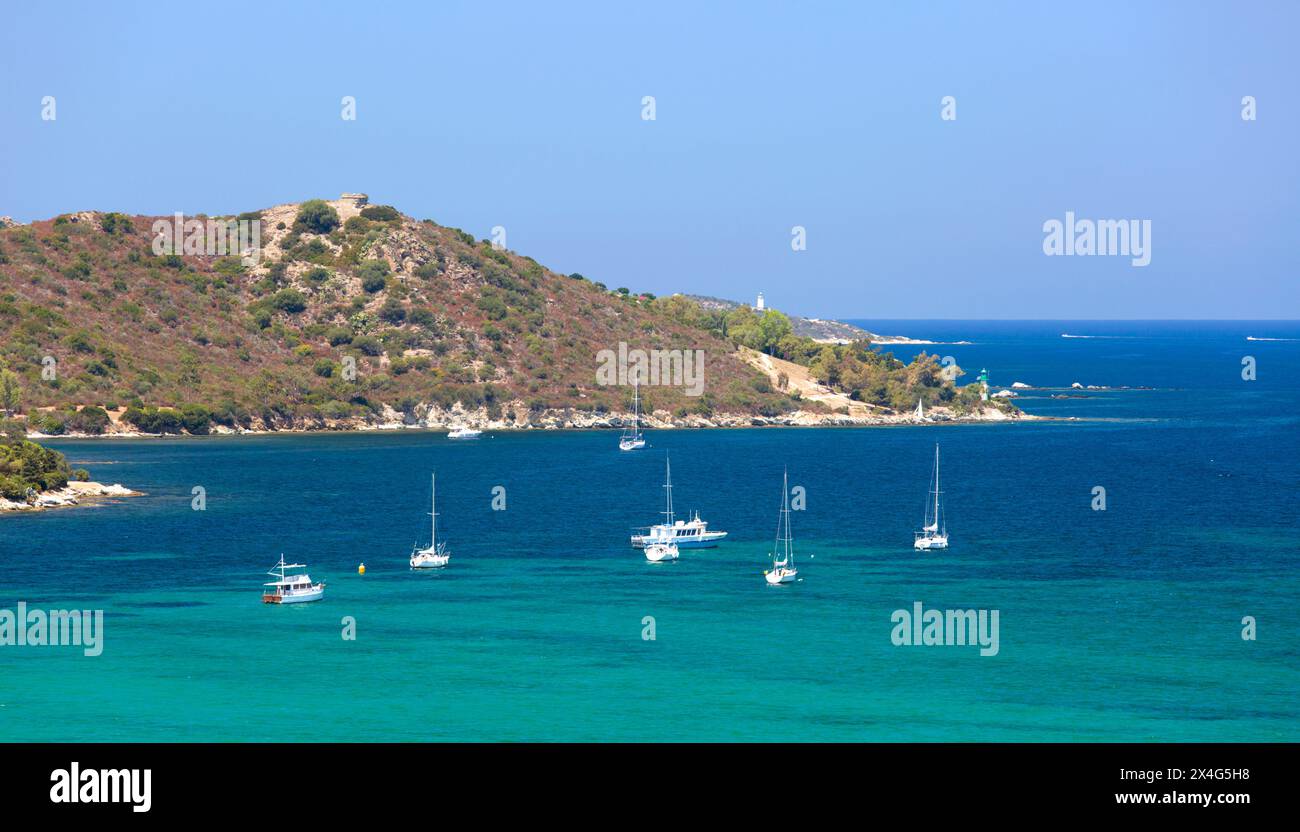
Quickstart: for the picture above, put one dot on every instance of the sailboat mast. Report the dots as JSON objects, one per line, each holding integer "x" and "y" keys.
{"x": 936, "y": 484}
{"x": 668, "y": 489}
{"x": 433, "y": 511}
{"x": 785, "y": 510}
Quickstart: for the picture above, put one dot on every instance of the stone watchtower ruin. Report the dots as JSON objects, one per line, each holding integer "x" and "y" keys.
{"x": 357, "y": 201}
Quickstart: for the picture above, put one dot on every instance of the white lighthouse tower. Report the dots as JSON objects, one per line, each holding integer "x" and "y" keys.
{"x": 758, "y": 304}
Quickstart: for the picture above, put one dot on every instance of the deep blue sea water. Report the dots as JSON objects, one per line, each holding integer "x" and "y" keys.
{"x": 1123, "y": 624}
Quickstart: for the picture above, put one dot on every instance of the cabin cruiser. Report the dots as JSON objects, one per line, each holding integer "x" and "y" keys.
{"x": 291, "y": 589}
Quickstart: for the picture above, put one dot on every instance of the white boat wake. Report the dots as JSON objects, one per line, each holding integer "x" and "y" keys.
{"x": 1106, "y": 337}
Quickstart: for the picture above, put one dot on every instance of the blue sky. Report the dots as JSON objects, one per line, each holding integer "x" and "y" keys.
{"x": 769, "y": 116}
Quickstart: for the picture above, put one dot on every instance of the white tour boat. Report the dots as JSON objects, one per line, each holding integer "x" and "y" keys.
{"x": 782, "y": 554}
{"x": 633, "y": 440}
{"x": 435, "y": 555}
{"x": 291, "y": 589}
{"x": 934, "y": 534}
{"x": 684, "y": 534}
{"x": 464, "y": 433}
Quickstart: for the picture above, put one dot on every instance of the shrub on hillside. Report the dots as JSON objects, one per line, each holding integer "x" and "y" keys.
{"x": 289, "y": 300}
{"x": 195, "y": 418}
{"x": 392, "y": 311}
{"x": 380, "y": 213}
{"x": 89, "y": 419}
{"x": 335, "y": 409}
{"x": 493, "y": 307}
{"x": 373, "y": 274}
{"x": 313, "y": 251}
{"x": 115, "y": 223}
{"x": 154, "y": 419}
{"x": 316, "y": 216}
{"x": 368, "y": 344}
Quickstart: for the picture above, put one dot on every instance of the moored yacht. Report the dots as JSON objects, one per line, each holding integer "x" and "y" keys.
{"x": 683, "y": 534}
{"x": 291, "y": 589}
{"x": 934, "y": 531}
{"x": 661, "y": 552}
{"x": 463, "y": 432}
{"x": 435, "y": 555}
{"x": 782, "y": 554}
{"x": 633, "y": 440}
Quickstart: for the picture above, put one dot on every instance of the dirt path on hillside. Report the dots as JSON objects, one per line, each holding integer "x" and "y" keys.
{"x": 797, "y": 378}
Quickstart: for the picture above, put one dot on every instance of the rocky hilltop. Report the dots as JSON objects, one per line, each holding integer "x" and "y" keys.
{"x": 344, "y": 315}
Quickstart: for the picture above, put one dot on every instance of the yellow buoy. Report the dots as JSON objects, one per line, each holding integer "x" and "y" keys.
{"x": 361, "y": 570}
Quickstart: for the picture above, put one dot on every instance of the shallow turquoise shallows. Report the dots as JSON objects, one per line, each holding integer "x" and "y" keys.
{"x": 1123, "y": 624}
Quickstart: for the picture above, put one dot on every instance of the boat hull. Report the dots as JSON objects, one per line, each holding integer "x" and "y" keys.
{"x": 701, "y": 541}
{"x": 660, "y": 554}
{"x": 430, "y": 564}
{"x": 299, "y": 598}
{"x": 927, "y": 543}
{"x": 634, "y": 445}
{"x": 777, "y": 577}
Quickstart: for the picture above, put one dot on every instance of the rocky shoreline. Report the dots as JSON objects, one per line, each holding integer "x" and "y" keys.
{"x": 76, "y": 493}
{"x": 437, "y": 418}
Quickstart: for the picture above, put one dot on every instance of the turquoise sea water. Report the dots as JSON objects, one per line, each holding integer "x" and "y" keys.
{"x": 1115, "y": 625}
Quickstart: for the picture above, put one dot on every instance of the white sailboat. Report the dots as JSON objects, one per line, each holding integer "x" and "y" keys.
{"x": 291, "y": 589}
{"x": 782, "y": 554}
{"x": 686, "y": 534}
{"x": 919, "y": 415}
{"x": 435, "y": 555}
{"x": 633, "y": 440}
{"x": 664, "y": 550}
{"x": 934, "y": 532}
{"x": 661, "y": 552}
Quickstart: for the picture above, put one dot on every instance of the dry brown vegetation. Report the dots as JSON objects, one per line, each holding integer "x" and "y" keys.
{"x": 430, "y": 316}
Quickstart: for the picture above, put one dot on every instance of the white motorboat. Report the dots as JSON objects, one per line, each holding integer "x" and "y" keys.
{"x": 291, "y": 589}
{"x": 464, "y": 433}
{"x": 685, "y": 534}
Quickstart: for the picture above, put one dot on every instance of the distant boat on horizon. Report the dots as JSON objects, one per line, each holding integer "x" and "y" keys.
{"x": 934, "y": 531}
